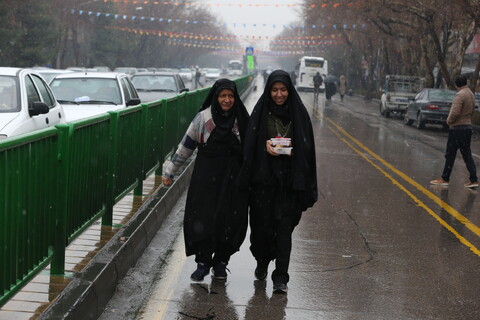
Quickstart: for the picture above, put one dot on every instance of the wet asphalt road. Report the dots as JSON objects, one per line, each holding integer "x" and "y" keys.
{"x": 379, "y": 244}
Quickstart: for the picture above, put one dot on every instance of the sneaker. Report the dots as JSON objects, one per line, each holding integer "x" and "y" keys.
{"x": 471, "y": 185}
{"x": 219, "y": 271}
{"x": 261, "y": 270}
{"x": 200, "y": 273}
{"x": 280, "y": 288}
{"x": 439, "y": 182}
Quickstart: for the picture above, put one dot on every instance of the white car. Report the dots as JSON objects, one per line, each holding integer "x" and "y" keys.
{"x": 26, "y": 103}
{"x": 213, "y": 74}
{"x": 49, "y": 74}
{"x": 185, "y": 74}
{"x": 84, "y": 95}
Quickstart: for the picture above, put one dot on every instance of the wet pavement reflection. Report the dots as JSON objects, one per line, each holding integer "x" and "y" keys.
{"x": 381, "y": 243}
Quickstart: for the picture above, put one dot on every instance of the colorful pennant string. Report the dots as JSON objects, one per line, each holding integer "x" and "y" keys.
{"x": 195, "y": 22}
{"x": 236, "y": 4}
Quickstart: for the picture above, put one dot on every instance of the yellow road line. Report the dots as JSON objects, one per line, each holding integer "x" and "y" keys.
{"x": 472, "y": 227}
{"x": 157, "y": 309}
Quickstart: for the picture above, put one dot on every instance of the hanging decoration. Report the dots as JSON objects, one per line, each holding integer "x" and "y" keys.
{"x": 238, "y": 4}
{"x": 217, "y": 44}
{"x": 220, "y": 24}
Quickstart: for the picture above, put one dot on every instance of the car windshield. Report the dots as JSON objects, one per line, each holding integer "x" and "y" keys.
{"x": 48, "y": 76}
{"x": 86, "y": 90}
{"x": 213, "y": 71}
{"x": 9, "y": 101}
{"x": 441, "y": 95}
{"x": 154, "y": 83}
{"x": 402, "y": 86}
{"x": 185, "y": 71}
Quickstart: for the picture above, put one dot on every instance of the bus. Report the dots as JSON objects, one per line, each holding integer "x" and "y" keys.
{"x": 307, "y": 68}
{"x": 235, "y": 68}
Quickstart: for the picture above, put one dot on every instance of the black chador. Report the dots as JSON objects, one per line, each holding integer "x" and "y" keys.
{"x": 282, "y": 187}
{"x": 216, "y": 211}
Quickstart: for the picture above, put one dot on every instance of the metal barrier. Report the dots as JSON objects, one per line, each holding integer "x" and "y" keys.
{"x": 56, "y": 182}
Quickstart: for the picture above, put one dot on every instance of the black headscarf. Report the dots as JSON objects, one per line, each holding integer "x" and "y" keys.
{"x": 256, "y": 167}
{"x": 224, "y": 120}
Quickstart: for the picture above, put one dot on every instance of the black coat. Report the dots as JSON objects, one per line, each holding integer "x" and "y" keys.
{"x": 215, "y": 210}
{"x": 257, "y": 163}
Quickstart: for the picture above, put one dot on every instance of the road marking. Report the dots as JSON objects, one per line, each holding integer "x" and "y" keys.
{"x": 157, "y": 308}
{"x": 336, "y": 129}
{"x": 475, "y": 155}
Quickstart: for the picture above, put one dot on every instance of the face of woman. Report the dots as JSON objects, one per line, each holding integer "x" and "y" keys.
{"x": 226, "y": 99}
{"x": 279, "y": 93}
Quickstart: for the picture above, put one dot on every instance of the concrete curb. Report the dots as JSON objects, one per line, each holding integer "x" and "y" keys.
{"x": 87, "y": 295}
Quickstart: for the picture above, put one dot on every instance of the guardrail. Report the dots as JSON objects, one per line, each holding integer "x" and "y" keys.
{"x": 56, "y": 182}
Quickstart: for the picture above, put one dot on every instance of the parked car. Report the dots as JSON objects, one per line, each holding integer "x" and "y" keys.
{"x": 212, "y": 74}
{"x": 85, "y": 95}
{"x": 49, "y": 74}
{"x": 130, "y": 71}
{"x": 102, "y": 68}
{"x": 153, "y": 86}
{"x": 186, "y": 74}
{"x": 26, "y": 103}
{"x": 430, "y": 106}
{"x": 398, "y": 92}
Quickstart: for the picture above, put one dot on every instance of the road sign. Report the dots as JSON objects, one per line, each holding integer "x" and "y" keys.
{"x": 249, "y": 51}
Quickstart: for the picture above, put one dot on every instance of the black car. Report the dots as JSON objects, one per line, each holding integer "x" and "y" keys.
{"x": 153, "y": 86}
{"x": 430, "y": 106}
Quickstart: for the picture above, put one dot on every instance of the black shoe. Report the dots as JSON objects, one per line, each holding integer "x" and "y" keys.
{"x": 280, "y": 288}
{"x": 220, "y": 271}
{"x": 261, "y": 270}
{"x": 200, "y": 273}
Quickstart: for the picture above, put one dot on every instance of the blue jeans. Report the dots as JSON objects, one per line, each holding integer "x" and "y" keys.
{"x": 459, "y": 138}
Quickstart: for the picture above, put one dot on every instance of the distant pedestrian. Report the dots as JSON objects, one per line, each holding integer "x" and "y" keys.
{"x": 293, "y": 75}
{"x": 330, "y": 87}
{"x": 317, "y": 83}
{"x": 460, "y": 134}
{"x": 342, "y": 86}
{"x": 215, "y": 221}
{"x": 282, "y": 186}
{"x": 198, "y": 74}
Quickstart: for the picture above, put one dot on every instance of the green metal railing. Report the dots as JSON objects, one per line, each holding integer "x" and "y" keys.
{"x": 56, "y": 182}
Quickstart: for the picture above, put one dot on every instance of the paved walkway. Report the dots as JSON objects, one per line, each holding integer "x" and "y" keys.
{"x": 44, "y": 289}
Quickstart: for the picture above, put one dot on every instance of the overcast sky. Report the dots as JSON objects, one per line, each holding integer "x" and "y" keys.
{"x": 256, "y": 17}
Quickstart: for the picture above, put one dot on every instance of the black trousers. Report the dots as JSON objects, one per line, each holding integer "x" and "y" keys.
{"x": 271, "y": 235}
{"x": 459, "y": 139}
{"x": 207, "y": 248}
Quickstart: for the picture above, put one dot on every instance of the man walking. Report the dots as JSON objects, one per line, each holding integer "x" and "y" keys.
{"x": 460, "y": 134}
{"x": 198, "y": 74}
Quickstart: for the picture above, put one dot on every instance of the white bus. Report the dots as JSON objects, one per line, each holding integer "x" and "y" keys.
{"x": 308, "y": 67}
{"x": 235, "y": 68}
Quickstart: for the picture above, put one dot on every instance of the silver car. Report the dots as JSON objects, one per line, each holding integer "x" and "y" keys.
{"x": 153, "y": 86}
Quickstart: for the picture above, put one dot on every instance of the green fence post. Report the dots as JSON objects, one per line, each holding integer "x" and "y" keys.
{"x": 60, "y": 242}
{"x": 107, "y": 218}
{"x": 138, "y": 191}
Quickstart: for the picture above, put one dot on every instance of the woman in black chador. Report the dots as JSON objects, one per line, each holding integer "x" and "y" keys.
{"x": 215, "y": 219}
{"x": 282, "y": 186}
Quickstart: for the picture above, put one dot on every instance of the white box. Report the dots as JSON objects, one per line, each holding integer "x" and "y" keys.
{"x": 283, "y": 150}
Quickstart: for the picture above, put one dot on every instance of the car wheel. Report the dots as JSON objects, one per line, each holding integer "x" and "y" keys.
{"x": 420, "y": 121}
{"x": 382, "y": 110}
{"x": 407, "y": 120}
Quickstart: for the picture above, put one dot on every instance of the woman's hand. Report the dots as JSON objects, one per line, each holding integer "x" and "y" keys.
{"x": 270, "y": 148}
{"x": 167, "y": 182}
